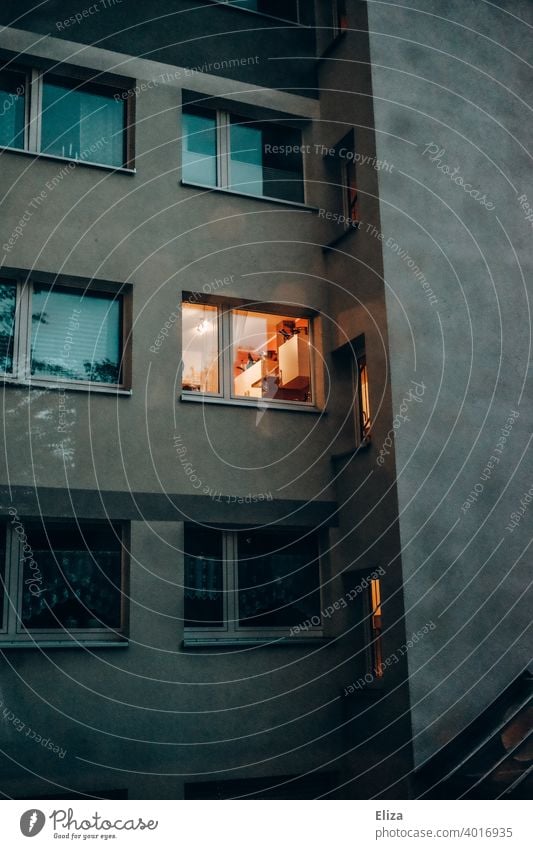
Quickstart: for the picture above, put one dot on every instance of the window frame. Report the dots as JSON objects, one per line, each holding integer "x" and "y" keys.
{"x": 223, "y": 154}
{"x": 13, "y": 633}
{"x": 226, "y": 393}
{"x": 339, "y": 18}
{"x": 33, "y": 95}
{"x": 22, "y": 335}
{"x": 230, "y": 631}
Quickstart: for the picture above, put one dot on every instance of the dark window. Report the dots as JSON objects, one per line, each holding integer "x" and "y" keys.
{"x": 12, "y": 108}
{"x": 76, "y": 335}
{"x": 59, "y": 576}
{"x": 79, "y": 570}
{"x": 248, "y": 580}
{"x": 2, "y": 572}
{"x": 278, "y": 579}
{"x": 199, "y": 146}
{"x": 83, "y": 122}
{"x": 8, "y": 301}
{"x": 204, "y": 597}
{"x": 266, "y": 159}
{"x": 287, "y": 9}
{"x": 251, "y": 157}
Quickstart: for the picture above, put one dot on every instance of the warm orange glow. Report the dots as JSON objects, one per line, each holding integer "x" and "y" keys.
{"x": 375, "y": 619}
{"x": 365, "y": 399}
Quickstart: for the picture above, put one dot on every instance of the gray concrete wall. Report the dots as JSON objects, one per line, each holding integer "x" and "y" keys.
{"x": 455, "y": 75}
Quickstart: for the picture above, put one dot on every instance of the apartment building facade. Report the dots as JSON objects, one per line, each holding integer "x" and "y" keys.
{"x": 188, "y": 605}
{"x": 208, "y": 373}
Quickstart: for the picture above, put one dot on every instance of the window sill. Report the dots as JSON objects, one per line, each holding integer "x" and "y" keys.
{"x": 304, "y": 207}
{"x": 120, "y": 169}
{"x": 240, "y": 642}
{"x": 63, "y": 644}
{"x": 260, "y": 406}
{"x": 100, "y": 388}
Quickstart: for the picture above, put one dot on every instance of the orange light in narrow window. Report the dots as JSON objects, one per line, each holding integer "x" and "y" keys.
{"x": 364, "y": 400}
{"x": 375, "y": 625}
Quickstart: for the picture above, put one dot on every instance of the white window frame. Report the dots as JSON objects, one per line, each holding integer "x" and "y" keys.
{"x": 13, "y": 633}
{"x": 230, "y": 629}
{"x": 33, "y": 99}
{"x": 223, "y": 157}
{"x": 22, "y": 335}
{"x": 225, "y": 358}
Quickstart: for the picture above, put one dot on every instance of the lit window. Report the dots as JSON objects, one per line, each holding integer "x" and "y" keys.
{"x": 200, "y": 348}
{"x": 251, "y": 581}
{"x": 251, "y": 157}
{"x": 75, "y": 335}
{"x": 62, "y": 577}
{"x": 364, "y": 400}
{"x": 271, "y": 356}
{"x": 264, "y": 356}
{"x": 68, "y": 118}
{"x": 375, "y": 627}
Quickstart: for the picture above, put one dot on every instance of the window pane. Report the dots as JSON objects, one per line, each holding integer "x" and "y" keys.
{"x": 2, "y": 571}
{"x": 257, "y": 167}
{"x": 204, "y": 599}
{"x": 199, "y": 147}
{"x": 76, "y": 336}
{"x": 279, "y": 583}
{"x": 8, "y": 301}
{"x": 280, "y": 8}
{"x": 12, "y": 108}
{"x": 72, "y": 577}
{"x": 200, "y": 348}
{"x": 271, "y": 356}
{"x": 83, "y": 123}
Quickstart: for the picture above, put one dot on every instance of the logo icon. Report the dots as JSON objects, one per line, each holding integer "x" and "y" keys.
{"x": 32, "y": 822}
